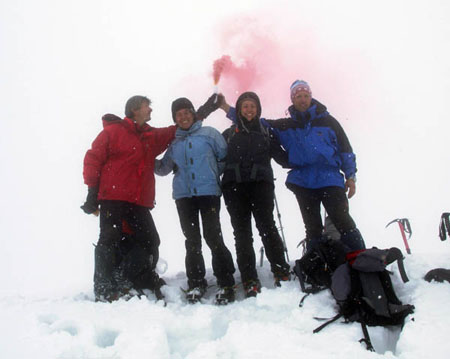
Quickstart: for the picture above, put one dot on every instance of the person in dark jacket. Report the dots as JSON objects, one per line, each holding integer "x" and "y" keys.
{"x": 196, "y": 157}
{"x": 248, "y": 189}
{"x": 118, "y": 170}
{"x": 323, "y": 165}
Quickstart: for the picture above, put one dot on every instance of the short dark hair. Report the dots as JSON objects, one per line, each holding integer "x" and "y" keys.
{"x": 134, "y": 103}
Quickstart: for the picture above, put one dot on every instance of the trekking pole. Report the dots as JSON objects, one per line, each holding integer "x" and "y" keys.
{"x": 281, "y": 226}
{"x": 261, "y": 251}
{"x": 405, "y": 227}
{"x": 444, "y": 226}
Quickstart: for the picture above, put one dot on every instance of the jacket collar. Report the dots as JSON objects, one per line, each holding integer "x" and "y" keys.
{"x": 316, "y": 110}
{"x": 184, "y": 133}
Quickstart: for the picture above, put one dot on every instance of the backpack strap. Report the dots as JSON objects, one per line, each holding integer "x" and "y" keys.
{"x": 237, "y": 171}
{"x": 395, "y": 254}
{"x": 366, "y": 340}
{"x": 336, "y": 317}
{"x": 254, "y": 171}
{"x": 299, "y": 273}
{"x": 303, "y": 299}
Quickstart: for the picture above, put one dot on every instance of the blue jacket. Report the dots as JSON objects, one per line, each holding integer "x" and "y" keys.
{"x": 318, "y": 148}
{"x": 196, "y": 157}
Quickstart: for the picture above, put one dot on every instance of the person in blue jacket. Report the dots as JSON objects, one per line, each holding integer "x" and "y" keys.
{"x": 196, "y": 159}
{"x": 323, "y": 164}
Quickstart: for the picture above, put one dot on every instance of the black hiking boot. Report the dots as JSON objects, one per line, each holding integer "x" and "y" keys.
{"x": 280, "y": 277}
{"x": 112, "y": 296}
{"x": 106, "y": 298}
{"x": 252, "y": 288}
{"x": 193, "y": 295}
{"x": 108, "y": 291}
{"x": 158, "y": 294}
{"x": 224, "y": 296}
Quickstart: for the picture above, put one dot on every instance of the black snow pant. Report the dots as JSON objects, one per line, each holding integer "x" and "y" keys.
{"x": 335, "y": 201}
{"x": 189, "y": 209}
{"x": 257, "y": 198}
{"x": 118, "y": 270}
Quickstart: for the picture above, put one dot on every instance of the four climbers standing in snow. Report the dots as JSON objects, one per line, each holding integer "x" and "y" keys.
{"x": 316, "y": 149}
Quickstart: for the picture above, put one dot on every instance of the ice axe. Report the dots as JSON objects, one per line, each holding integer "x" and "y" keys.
{"x": 405, "y": 227}
{"x": 444, "y": 226}
{"x": 280, "y": 228}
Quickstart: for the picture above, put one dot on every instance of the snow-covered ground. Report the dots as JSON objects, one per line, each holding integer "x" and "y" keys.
{"x": 272, "y": 325}
{"x": 383, "y": 70}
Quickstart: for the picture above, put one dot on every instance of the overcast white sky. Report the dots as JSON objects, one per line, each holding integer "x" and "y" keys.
{"x": 382, "y": 68}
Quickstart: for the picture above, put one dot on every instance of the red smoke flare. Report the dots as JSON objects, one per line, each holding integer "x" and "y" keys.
{"x": 219, "y": 66}
{"x": 243, "y": 76}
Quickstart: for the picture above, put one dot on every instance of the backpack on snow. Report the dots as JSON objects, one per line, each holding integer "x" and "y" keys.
{"x": 438, "y": 275}
{"x": 364, "y": 291}
{"x": 315, "y": 268}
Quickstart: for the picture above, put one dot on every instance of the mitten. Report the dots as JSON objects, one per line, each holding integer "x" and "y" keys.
{"x": 91, "y": 204}
{"x": 208, "y": 107}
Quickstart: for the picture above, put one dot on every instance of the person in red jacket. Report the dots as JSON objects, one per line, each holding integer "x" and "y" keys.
{"x": 118, "y": 170}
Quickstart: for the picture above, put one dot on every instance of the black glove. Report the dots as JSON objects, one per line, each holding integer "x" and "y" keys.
{"x": 220, "y": 99}
{"x": 91, "y": 204}
{"x": 208, "y": 107}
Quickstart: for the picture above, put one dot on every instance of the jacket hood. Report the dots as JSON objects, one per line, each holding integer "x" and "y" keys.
{"x": 181, "y": 103}
{"x": 109, "y": 119}
{"x": 243, "y": 123}
{"x": 128, "y": 123}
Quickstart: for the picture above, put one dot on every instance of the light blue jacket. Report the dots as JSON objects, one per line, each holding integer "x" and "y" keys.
{"x": 196, "y": 158}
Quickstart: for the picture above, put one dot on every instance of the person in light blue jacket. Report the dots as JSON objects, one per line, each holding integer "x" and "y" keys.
{"x": 196, "y": 158}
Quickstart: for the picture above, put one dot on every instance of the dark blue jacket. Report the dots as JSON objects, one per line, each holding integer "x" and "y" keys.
{"x": 319, "y": 151}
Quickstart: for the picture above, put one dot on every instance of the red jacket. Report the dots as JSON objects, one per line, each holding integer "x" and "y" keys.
{"x": 122, "y": 158}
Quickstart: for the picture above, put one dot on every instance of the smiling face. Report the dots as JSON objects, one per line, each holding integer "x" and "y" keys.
{"x": 184, "y": 118}
{"x": 302, "y": 101}
{"x": 249, "y": 109}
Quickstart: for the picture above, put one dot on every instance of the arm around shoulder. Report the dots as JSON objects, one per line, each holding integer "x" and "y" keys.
{"x": 165, "y": 165}
{"x": 164, "y": 137}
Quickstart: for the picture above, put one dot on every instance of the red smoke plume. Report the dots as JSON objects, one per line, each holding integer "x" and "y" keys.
{"x": 252, "y": 63}
{"x": 219, "y": 66}
{"x": 266, "y": 56}
{"x": 243, "y": 76}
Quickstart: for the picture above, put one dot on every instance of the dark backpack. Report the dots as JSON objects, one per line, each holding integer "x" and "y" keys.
{"x": 364, "y": 291}
{"x": 315, "y": 268}
{"x": 438, "y": 275}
